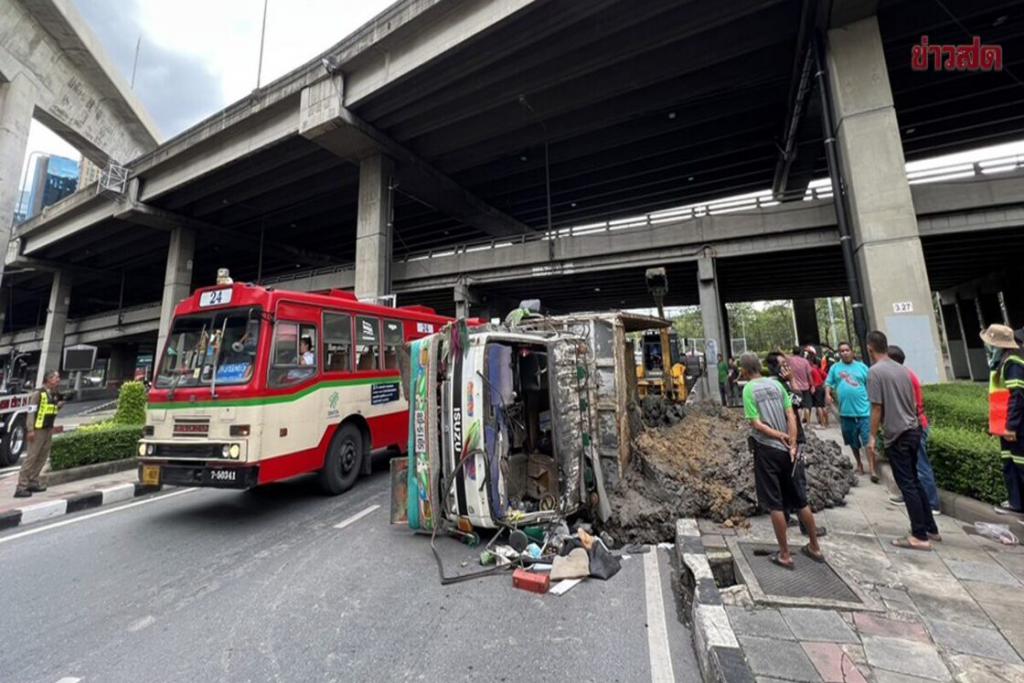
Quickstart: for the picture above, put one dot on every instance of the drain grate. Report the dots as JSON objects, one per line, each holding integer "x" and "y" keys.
{"x": 810, "y": 579}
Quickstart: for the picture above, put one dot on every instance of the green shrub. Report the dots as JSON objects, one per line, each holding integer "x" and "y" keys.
{"x": 91, "y": 444}
{"x": 966, "y": 461}
{"x": 131, "y": 404}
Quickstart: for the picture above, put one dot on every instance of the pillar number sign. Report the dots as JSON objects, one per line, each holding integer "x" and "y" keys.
{"x": 903, "y": 307}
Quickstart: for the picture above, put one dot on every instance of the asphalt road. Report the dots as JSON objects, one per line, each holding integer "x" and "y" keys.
{"x": 208, "y": 585}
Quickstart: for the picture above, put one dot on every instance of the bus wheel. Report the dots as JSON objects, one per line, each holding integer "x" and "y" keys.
{"x": 14, "y": 443}
{"x": 344, "y": 460}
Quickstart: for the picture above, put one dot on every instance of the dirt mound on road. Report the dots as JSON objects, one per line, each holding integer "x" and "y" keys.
{"x": 700, "y": 466}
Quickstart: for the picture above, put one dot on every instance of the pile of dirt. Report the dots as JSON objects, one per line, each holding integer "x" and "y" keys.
{"x": 700, "y": 466}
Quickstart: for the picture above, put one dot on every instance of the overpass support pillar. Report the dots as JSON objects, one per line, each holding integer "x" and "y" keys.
{"x": 806, "y": 321}
{"x": 17, "y": 100}
{"x": 177, "y": 281}
{"x": 56, "y": 319}
{"x": 886, "y": 241}
{"x": 714, "y": 328}
{"x": 373, "y": 228}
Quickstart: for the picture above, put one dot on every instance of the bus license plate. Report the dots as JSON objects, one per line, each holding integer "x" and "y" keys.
{"x": 223, "y": 475}
{"x": 151, "y": 475}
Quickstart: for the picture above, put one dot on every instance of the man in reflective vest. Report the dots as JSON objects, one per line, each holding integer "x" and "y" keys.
{"x": 1006, "y": 409}
{"x": 43, "y": 407}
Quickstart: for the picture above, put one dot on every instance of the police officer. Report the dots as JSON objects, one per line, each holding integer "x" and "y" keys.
{"x": 1006, "y": 409}
{"x": 44, "y": 405}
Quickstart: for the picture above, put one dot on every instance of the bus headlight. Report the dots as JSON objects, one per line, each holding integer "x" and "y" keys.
{"x": 234, "y": 451}
{"x": 225, "y": 451}
{"x": 142, "y": 449}
{"x": 150, "y": 449}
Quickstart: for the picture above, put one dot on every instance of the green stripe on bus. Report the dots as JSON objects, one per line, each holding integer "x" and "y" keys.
{"x": 270, "y": 400}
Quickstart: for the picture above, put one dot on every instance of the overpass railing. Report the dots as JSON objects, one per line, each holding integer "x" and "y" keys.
{"x": 818, "y": 190}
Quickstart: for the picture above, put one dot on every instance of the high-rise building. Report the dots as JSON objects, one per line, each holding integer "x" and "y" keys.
{"x": 52, "y": 179}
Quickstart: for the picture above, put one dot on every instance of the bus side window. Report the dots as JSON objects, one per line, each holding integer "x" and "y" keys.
{"x": 393, "y": 340}
{"x": 287, "y": 367}
{"x": 337, "y": 342}
{"x": 367, "y": 343}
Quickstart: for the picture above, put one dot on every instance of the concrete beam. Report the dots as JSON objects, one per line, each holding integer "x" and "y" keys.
{"x": 54, "y": 330}
{"x": 712, "y": 321}
{"x": 887, "y": 244}
{"x": 327, "y": 122}
{"x": 177, "y": 278}
{"x": 17, "y": 98}
{"x": 80, "y": 95}
{"x": 374, "y": 228}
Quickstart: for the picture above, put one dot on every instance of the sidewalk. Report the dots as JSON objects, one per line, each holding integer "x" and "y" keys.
{"x": 64, "y": 498}
{"x": 956, "y": 613}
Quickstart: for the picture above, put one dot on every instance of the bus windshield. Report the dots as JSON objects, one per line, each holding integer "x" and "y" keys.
{"x": 224, "y": 342}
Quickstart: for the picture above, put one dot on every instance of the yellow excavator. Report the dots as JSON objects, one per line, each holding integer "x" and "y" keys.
{"x": 660, "y": 370}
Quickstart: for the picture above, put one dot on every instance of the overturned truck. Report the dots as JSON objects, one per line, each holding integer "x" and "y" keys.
{"x": 500, "y": 431}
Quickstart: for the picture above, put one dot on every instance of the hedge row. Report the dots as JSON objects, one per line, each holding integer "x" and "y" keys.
{"x": 958, "y": 404}
{"x": 91, "y": 444}
{"x": 966, "y": 461}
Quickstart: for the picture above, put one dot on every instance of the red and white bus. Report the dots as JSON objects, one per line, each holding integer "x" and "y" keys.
{"x": 257, "y": 385}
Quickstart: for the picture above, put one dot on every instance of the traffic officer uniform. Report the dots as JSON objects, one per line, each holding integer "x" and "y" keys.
{"x": 1006, "y": 411}
{"x": 41, "y": 424}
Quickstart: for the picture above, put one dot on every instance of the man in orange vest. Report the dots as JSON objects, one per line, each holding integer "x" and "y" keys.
{"x": 1006, "y": 409}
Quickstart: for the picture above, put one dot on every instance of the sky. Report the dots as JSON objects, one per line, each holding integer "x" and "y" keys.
{"x": 198, "y": 56}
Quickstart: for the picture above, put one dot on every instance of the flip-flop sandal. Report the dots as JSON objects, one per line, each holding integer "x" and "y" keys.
{"x": 875, "y": 479}
{"x": 935, "y": 538}
{"x": 907, "y": 545}
{"x": 777, "y": 561}
{"x": 806, "y": 550}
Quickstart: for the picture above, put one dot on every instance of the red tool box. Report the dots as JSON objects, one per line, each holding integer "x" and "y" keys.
{"x": 531, "y": 581}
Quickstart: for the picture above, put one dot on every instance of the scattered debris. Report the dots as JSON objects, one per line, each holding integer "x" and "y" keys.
{"x": 534, "y": 582}
{"x": 700, "y": 466}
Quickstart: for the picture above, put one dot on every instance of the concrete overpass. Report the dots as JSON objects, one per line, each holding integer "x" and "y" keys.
{"x": 442, "y": 123}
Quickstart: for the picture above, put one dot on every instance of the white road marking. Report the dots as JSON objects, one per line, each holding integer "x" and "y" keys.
{"x": 657, "y": 628}
{"x": 356, "y": 517}
{"x": 69, "y": 679}
{"x": 94, "y": 514}
{"x": 142, "y": 623}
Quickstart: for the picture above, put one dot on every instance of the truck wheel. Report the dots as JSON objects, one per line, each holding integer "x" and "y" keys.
{"x": 14, "y": 443}
{"x": 344, "y": 460}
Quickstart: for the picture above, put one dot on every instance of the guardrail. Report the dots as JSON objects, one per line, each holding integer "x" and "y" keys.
{"x": 818, "y": 190}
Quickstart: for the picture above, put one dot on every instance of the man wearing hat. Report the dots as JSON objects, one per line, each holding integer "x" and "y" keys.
{"x": 1006, "y": 409}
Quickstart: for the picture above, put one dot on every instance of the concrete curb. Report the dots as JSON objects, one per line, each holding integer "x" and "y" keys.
{"x": 963, "y": 508}
{"x": 55, "y": 477}
{"x": 77, "y": 502}
{"x": 718, "y": 651}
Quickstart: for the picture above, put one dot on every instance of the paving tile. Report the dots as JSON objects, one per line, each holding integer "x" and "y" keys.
{"x": 778, "y": 658}
{"x": 832, "y": 663}
{"x": 990, "y": 572}
{"x": 818, "y": 625}
{"x": 882, "y": 676}
{"x": 983, "y": 642}
{"x": 1010, "y": 622}
{"x": 968, "y": 669}
{"x": 905, "y": 657}
{"x": 872, "y": 625}
{"x": 962, "y": 610}
{"x": 982, "y": 591}
{"x": 897, "y": 597}
{"x": 767, "y": 623}
{"x": 1012, "y": 563}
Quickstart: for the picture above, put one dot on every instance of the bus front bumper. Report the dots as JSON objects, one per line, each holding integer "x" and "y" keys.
{"x": 216, "y": 475}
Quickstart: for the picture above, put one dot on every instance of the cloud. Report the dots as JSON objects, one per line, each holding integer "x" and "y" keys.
{"x": 176, "y": 87}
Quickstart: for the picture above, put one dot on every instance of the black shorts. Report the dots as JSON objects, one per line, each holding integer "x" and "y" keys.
{"x": 806, "y": 399}
{"x": 777, "y": 489}
{"x": 819, "y": 397}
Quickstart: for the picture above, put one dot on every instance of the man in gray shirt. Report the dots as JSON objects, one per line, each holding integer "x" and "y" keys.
{"x": 894, "y": 410}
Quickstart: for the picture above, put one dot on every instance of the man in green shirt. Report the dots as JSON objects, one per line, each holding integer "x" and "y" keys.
{"x": 773, "y": 441}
